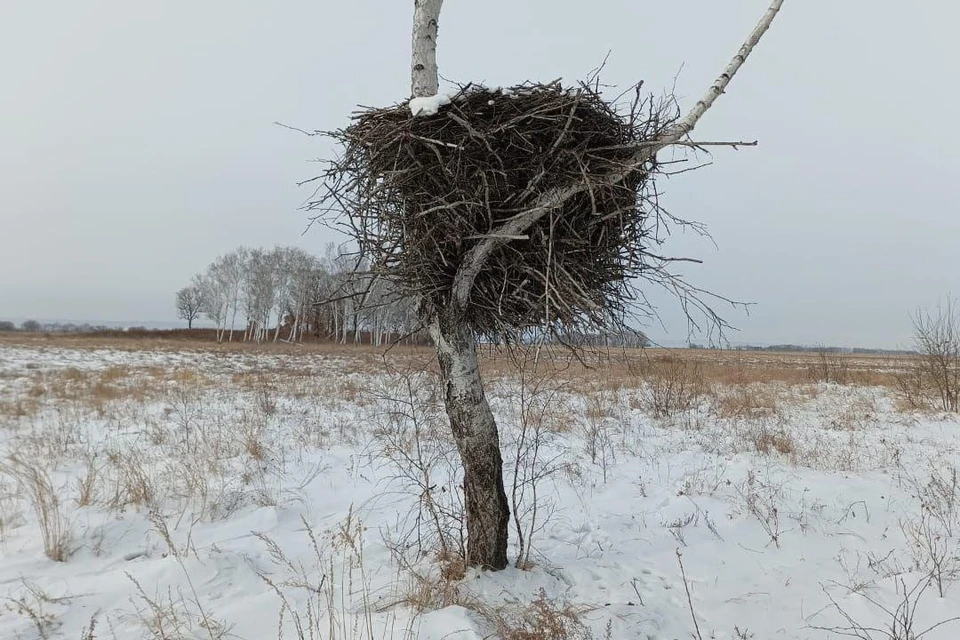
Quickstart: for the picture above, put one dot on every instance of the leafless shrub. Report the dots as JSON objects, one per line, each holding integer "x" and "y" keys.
{"x": 761, "y": 499}
{"x": 186, "y": 405}
{"x": 537, "y": 399}
{"x": 33, "y": 603}
{"x": 266, "y": 400}
{"x": 412, "y": 436}
{"x": 939, "y": 496}
{"x": 911, "y": 383}
{"x": 36, "y": 483}
{"x": 932, "y": 535}
{"x": 901, "y": 622}
{"x": 933, "y": 378}
{"x": 599, "y": 425}
{"x": 829, "y": 366}
{"x": 672, "y": 385}
{"x": 90, "y": 631}
{"x": 932, "y": 550}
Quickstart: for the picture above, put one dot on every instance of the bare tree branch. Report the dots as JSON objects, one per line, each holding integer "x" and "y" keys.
{"x": 477, "y": 256}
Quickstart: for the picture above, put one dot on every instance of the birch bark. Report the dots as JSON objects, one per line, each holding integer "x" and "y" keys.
{"x": 471, "y": 421}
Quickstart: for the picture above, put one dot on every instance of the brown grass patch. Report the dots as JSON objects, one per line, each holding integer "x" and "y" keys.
{"x": 421, "y": 591}
{"x": 37, "y": 390}
{"x": 623, "y": 368}
{"x": 19, "y": 407}
{"x": 542, "y": 619}
{"x": 72, "y": 374}
{"x": 767, "y": 441}
{"x": 748, "y": 401}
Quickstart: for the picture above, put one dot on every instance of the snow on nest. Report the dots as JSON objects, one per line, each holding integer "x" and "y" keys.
{"x": 429, "y": 105}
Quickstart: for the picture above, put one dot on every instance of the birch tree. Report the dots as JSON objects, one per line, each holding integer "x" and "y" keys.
{"x": 214, "y": 300}
{"x": 234, "y": 266}
{"x": 471, "y": 420}
{"x": 259, "y": 294}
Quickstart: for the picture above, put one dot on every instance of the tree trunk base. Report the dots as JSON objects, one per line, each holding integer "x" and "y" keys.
{"x": 475, "y": 432}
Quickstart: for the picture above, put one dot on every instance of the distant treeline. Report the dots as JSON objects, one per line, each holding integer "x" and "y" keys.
{"x": 286, "y": 294}
{"x": 35, "y": 326}
{"x": 813, "y": 349}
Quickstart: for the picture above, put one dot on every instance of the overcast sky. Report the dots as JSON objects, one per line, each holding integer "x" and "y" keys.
{"x": 137, "y": 144}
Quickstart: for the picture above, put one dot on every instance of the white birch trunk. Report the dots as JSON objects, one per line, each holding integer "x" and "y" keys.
{"x": 472, "y": 422}
{"x": 478, "y": 441}
{"x": 424, "y": 78}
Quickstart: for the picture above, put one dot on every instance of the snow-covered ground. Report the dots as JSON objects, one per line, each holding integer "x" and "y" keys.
{"x": 257, "y": 495}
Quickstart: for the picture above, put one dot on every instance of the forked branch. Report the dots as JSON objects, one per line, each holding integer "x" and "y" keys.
{"x": 478, "y": 255}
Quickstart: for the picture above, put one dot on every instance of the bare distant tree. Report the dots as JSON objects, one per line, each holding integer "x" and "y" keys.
{"x": 232, "y": 270}
{"x": 285, "y": 293}
{"x": 304, "y": 271}
{"x": 214, "y": 305}
{"x": 189, "y": 303}
{"x": 260, "y": 293}
{"x": 31, "y": 326}
{"x": 7, "y": 326}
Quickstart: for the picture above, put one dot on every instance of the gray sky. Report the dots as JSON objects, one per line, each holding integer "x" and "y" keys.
{"x": 136, "y": 141}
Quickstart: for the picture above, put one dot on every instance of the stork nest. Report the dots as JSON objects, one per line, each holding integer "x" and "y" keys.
{"x": 418, "y": 192}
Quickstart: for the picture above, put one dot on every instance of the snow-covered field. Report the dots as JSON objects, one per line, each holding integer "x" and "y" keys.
{"x": 261, "y": 494}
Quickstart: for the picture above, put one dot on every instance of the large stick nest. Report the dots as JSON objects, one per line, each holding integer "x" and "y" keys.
{"x": 417, "y": 192}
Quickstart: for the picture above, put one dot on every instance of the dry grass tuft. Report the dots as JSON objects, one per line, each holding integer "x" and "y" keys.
{"x": 429, "y": 590}
{"x": 542, "y": 619}
{"x": 134, "y": 485}
{"x": 767, "y": 441}
{"x": 87, "y": 485}
{"x": 36, "y": 483}
{"x": 173, "y": 616}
